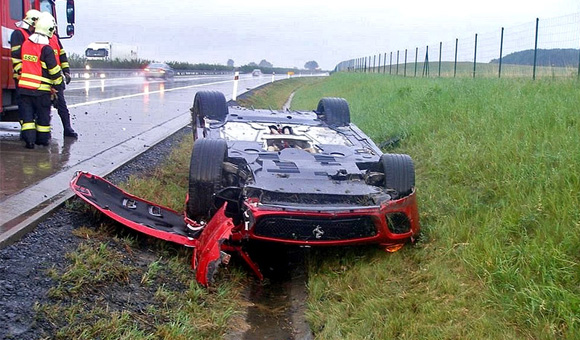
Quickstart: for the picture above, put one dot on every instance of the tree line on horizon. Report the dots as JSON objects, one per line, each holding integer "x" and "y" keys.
{"x": 79, "y": 61}
{"x": 557, "y": 57}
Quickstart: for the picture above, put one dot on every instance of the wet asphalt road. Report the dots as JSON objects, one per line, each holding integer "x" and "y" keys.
{"x": 116, "y": 119}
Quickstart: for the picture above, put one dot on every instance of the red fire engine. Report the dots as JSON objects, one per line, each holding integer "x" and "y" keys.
{"x": 12, "y": 11}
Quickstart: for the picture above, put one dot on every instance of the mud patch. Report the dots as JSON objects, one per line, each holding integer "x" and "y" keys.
{"x": 277, "y": 305}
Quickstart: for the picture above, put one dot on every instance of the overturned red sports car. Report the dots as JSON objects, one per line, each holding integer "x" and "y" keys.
{"x": 303, "y": 178}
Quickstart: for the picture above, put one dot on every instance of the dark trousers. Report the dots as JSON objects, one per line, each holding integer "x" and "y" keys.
{"x": 35, "y": 110}
{"x": 62, "y": 108}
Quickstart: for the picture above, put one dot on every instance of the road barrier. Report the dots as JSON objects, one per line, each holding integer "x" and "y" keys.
{"x": 81, "y": 73}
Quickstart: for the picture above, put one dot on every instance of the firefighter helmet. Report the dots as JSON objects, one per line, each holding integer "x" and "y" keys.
{"x": 31, "y": 17}
{"x": 45, "y": 25}
{"x": 48, "y": 15}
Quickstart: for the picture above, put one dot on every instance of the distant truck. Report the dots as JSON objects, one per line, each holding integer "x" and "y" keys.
{"x": 108, "y": 51}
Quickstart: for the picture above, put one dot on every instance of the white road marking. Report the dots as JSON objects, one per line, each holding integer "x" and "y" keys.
{"x": 146, "y": 93}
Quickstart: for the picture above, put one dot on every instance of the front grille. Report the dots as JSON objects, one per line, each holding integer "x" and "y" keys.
{"x": 315, "y": 229}
{"x": 272, "y": 197}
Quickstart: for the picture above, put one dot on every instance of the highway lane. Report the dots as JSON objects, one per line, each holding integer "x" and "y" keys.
{"x": 116, "y": 119}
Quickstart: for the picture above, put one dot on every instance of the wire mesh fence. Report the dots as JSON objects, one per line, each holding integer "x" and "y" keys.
{"x": 541, "y": 48}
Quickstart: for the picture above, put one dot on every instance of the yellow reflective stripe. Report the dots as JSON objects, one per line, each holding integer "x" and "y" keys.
{"x": 65, "y": 65}
{"x": 42, "y": 128}
{"x": 43, "y": 64}
{"x": 16, "y": 60}
{"x": 15, "y": 48}
{"x": 17, "y": 67}
{"x": 28, "y": 126}
{"x": 62, "y": 51}
{"x": 41, "y": 87}
{"x": 57, "y": 81}
{"x": 24, "y": 83}
{"x": 35, "y": 77}
{"x": 54, "y": 70}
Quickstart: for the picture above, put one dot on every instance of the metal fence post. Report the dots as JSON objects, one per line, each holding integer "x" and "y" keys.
{"x": 379, "y": 64}
{"x": 426, "y": 63}
{"x": 374, "y": 60}
{"x": 385, "y": 63}
{"x": 391, "y": 64}
{"x": 365, "y": 71}
{"x": 455, "y": 63}
{"x": 536, "y": 49}
{"x": 440, "y": 48}
{"x": 405, "y": 69}
{"x": 397, "y": 62}
{"x": 475, "y": 56}
{"x": 500, "y": 53}
{"x": 416, "y": 55}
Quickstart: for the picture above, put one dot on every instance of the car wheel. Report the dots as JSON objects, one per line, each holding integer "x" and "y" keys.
{"x": 334, "y": 111}
{"x": 205, "y": 176}
{"x": 399, "y": 173}
{"x": 210, "y": 104}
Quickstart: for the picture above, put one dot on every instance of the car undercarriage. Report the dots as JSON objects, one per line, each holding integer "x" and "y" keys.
{"x": 307, "y": 178}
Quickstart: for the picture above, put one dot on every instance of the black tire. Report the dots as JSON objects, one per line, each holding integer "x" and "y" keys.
{"x": 334, "y": 111}
{"x": 210, "y": 104}
{"x": 399, "y": 173}
{"x": 205, "y": 176}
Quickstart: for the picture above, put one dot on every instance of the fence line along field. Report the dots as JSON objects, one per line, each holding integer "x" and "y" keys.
{"x": 541, "y": 48}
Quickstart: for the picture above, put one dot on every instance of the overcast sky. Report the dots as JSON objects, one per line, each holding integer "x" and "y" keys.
{"x": 290, "y": 33}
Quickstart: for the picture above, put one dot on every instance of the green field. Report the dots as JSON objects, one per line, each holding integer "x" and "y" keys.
{"x": 498, "y": 182}
{"x": 482, "y": 70}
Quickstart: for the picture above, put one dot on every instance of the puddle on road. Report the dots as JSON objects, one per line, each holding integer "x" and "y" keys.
{"x": 278, "y": 303}
{"x": 21, "y": 168}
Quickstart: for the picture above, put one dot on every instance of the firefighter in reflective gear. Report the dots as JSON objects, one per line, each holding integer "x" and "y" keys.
{"x": 62, "y": 60}
{"x": 23, "y": 30}
{"x": 40, "y": 72}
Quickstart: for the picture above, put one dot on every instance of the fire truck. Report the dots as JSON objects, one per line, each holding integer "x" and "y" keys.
{"x": 12, "y": 11}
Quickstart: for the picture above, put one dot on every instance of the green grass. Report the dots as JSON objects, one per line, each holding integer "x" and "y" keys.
{"x": 275, "y": 95}
{"x": 498, "y": 178}
{"x": 465, "y": 70}
{"x": 122, "y": 285}
{"x": 498, "y": 181}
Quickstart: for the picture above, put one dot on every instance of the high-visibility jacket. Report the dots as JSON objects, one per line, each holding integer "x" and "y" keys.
{"x": 39, "y": 68}
{"x": 59, "y": 53}
{"x": 19, "y": 36}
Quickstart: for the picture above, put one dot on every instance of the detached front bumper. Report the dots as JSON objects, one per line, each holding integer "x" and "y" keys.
{"x": 393, "y": 222}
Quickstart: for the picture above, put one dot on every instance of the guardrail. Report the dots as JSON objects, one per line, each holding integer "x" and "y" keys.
{"x": 80, "y": 73}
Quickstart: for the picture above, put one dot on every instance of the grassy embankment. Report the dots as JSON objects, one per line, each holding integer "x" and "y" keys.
{"x": 498, "y": 178}
{"x": 498, "y": 185}
{"x": 482, "y": 70}
{"x": 122, "y": 285}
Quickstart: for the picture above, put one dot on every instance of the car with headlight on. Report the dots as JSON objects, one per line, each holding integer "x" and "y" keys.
{"x": 158, "y": 70}
{"x": 307, "y": 178}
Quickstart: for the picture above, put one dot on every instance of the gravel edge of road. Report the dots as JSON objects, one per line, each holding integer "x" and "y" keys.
{"x": 24, "y": 282}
